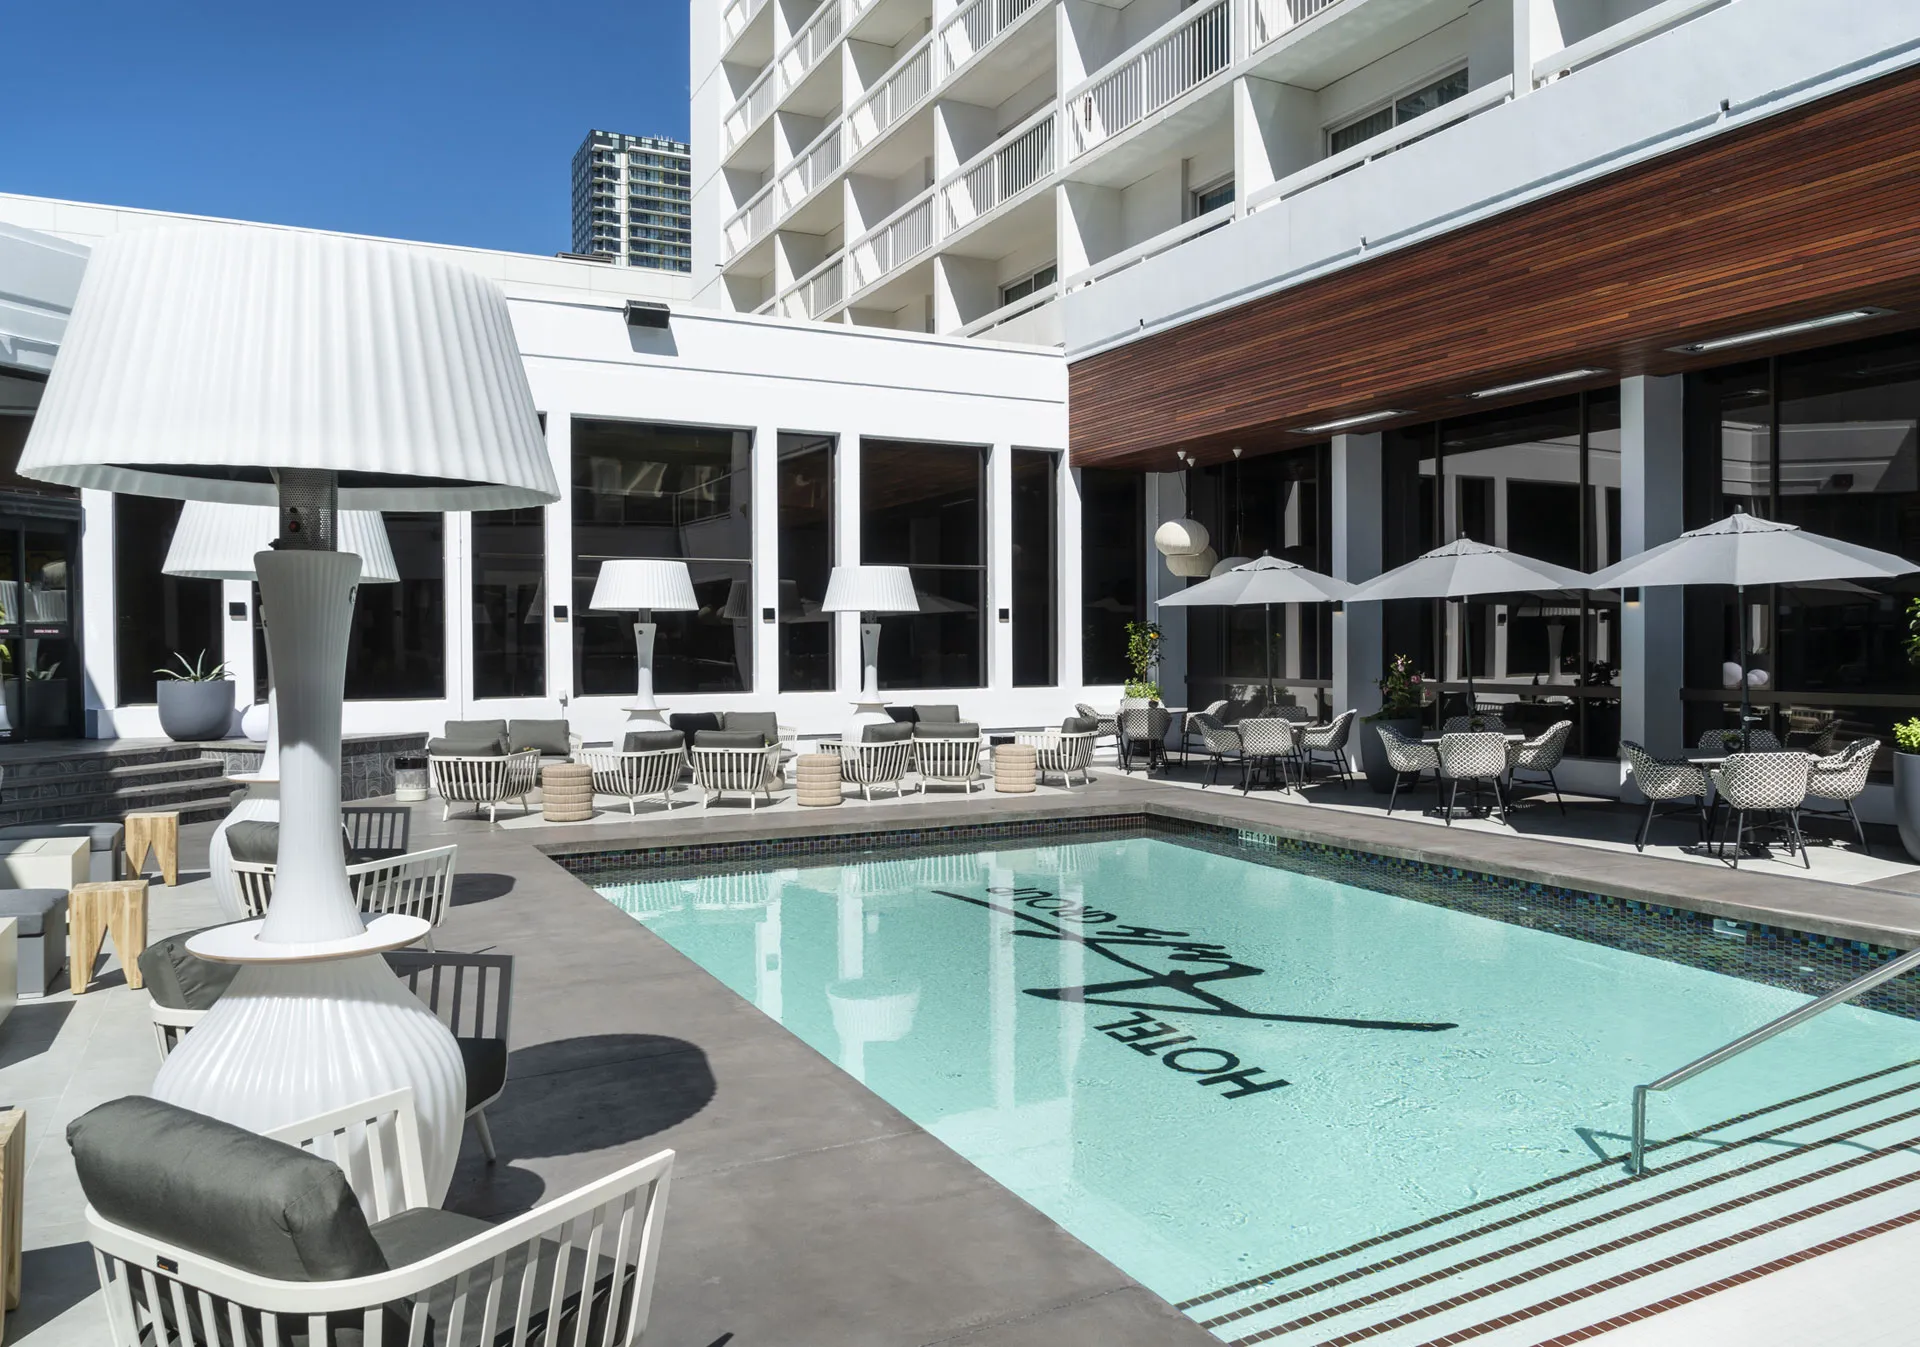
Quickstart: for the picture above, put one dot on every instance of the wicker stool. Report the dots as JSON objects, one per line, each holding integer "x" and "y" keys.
{"x": 1013, "y": 768}
{"x": 566, "y": 792}
{"x": 816, "y": 778}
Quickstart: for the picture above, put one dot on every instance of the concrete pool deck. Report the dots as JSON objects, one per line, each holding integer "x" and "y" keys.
{"x": 805, "y": 1210}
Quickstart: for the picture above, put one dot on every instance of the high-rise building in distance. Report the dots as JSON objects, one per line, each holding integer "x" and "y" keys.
{"x": 631, "y": 200}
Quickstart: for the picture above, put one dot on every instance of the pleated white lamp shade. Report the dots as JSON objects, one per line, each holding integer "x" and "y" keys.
{"x": 214, "y": 541}
{"x": 634, "y": 583}
{"x": 870, "y": 589}
{"x": 199, "y": 359}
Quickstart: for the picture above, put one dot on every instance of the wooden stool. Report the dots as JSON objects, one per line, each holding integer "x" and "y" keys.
{"x": 160, "y": 829}
{"x": 1014, "y": 768}
{"x": 566, "y": 792}
{"x": 94, "y": 910}
{"x": 816, "y": 779}
{"x": 13, "y": 1185}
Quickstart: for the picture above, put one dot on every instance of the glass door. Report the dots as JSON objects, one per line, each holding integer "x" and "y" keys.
{"x": 40, "y": 669}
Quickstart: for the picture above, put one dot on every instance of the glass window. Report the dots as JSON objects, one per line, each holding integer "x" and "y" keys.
{"x": 1035, "y": 568}
{"x": 156, "y": 616}
{"x": 923, "y": 506}
{"x": 1113, "y": 569}
{"x": 509, "y": 603}
{"x": 398, "y": 646}
{"x": 1269, "y": 503}
{"x": 1027, "y": 285}
{"x": 806, "y": 562}
{"x": 1212, "y": 197}
{"x": 645, "y": 490}
{"x": 1403, "y": 109}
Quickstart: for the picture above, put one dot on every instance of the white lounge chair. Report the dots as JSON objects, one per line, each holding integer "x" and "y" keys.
{"x": 750, "y": 771}
{"x": 651, "y": 774}
{"x": 880, "y": 764}
{"x": 417, "y": 884}
{"x": 485, "y": 782}
{"x": 1057, "y": 753}
{"x": 948, "y": 761}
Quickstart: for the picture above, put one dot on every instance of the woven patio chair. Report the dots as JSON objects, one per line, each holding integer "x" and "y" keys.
{"x": 1662, "y": 779}
{"x": 1329, "y": 740}
{"x": 1475, "y": 758}
{"x": 1841, "y": 777}
{"x": 1539, "y": 756}
{"x": 1270, "y": 742}
{"x": 1408, "y": 758}
{"x": 1764, "y": 783}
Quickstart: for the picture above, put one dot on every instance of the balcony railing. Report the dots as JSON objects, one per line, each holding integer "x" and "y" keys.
{"x": 1272, "y": 18}
{"x": 752, "y": 109}
{"x": 813, "y": 166}
{"x": 976, "y": 25}
{"x": 751, "y": 222}
{"x": 1192, "y": 50}
{"x": 812, "y": 42}
{"x": 899, "y": 91}
{"x": 822, "y": 289}
{"x": 1020, "y": 159}
{"x": 901, "y": 238}
{"x": 737, "y": 15}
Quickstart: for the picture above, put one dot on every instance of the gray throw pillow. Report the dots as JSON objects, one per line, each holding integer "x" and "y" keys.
{"x": 221, "y": 1191}
{"x": 764, "y": 723}
{"x": 898, "y": 732}
{"x": 946, "y": 729}
{"x": 478, "y": 732}
{"x": 946, "y": 713}
{"x": 646, "y": 741}
{"x": 549, "y": 736}
{"x": 1079, "y": 725}
{"x": 466, "y": 748}
{"x": 181, "y": 980}
{"x": 729, "y": 739}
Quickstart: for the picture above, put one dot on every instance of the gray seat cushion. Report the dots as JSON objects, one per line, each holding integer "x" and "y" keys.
{"x": 947, "y": 713}
{"x": 486, "y": 1063}
{"x": 946, "y": 729}
{"x": 29, "y": 907}
{"x": 416, "y": 1235}
{"x": 895, "y": 733}
{"x": 476, "y": 732}
{"x": 765, "y": 723}
{"x": 466, "y": 748}
{"x": 1079, "y": 725}
{"x": 254, "y": 840}
{"x": 222, "y": 1192}
{"x": 647, "y": 741}
{"x": 729, "y": 739}
{"x": 100, "y": 836}
{"x": 692, "y": 722}
{"x": 180, "y": 979}
{"x": 549, "y": 736}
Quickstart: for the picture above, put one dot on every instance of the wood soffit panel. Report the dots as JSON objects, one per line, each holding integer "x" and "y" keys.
{"x": 1807, "y": 213}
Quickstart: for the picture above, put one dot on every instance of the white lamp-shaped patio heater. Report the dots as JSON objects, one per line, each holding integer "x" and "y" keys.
{"x": 644, "y": 586}
{"x": 311, "y": 373}
{"x": 869, "y": 590}
{"x": 213, "y": 541}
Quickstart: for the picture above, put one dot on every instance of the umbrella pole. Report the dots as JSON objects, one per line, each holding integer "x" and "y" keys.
{"x": 1272, "y": 709}
{"x": 1746, "y": 684}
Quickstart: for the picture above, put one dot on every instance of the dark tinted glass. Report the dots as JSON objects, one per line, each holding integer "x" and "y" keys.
{"x": 644, "y": 490}
{"x": 806, "y": 562}
{"x": 1035, "y": 637}
{"x": 923, "y": 507}
{"x": 398, "y": 647}
{"x": 156, "y": 616}
{"x": 509, "y": 603}
{"x": 1113, "y": 589}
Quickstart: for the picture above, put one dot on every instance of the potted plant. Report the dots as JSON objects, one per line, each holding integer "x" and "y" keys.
{"x": 195, "y": 702}
{"x": 1906, "y": 784}
{"x": 1143, "y": 657}
{"x": 1402, "y": 694}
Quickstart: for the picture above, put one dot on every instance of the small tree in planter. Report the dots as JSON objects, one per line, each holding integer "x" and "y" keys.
{"x": 195, "y": 702}
{"x": 1143, "y": 657}
{"x": 1403, "y": 693}
{"x": 1906, "y": 784}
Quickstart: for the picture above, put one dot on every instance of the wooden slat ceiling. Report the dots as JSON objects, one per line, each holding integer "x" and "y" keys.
{"x": 1810, "y": 212}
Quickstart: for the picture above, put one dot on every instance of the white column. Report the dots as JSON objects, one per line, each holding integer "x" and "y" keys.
{"x": 999, "y": 595}
{"x": 1167, "y": 499}
{"x": 1358, "y": 653}
{"x": 766, "y": 560}
{"x": 456, "y": 572}
{"x": 237, "y": 638}
{"x": 558, "y": 567}
{"x": 846, "y": 552}
{"x": 96, "y": 635}
{"x": 1652, "y": 668}
{"x": 1066, "y": 534}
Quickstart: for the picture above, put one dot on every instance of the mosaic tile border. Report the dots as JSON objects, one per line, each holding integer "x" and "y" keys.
{"x": 1800, "y": 961}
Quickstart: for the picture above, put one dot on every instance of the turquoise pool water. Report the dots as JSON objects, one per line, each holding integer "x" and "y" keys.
{"x": 1206, "y": 1067}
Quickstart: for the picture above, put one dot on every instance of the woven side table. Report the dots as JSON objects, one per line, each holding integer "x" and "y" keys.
{"x": 566, "y": 792}
{"x": 1013, "y": 768}
{"x": 817, "y": 779}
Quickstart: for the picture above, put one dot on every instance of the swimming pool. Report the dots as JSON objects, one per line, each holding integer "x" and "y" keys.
{"x": 1206, "y": 1062}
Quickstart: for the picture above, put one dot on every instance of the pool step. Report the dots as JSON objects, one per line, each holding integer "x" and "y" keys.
{"x": 1566, "y": 1255}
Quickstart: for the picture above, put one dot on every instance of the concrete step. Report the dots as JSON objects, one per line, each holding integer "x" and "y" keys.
{"x": 18, "y": 791}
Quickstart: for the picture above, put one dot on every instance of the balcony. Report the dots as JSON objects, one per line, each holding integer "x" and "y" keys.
{"x": 751, "y": 222}
{"x": 811, "y": 43}
{"x": 821, "y": 290}
{"x": 752, "y": 108}
{"x": 1271, "y": 19}
{"x": 973, "y": 29}
{"x": 737, "y": 15}
{"x": 898, "y": 92}
{"x": 1182, "y": 56}
{"x": 1017, "y": 162}
{"x": 812, "y": 168}
{"x": 903, "y": 236}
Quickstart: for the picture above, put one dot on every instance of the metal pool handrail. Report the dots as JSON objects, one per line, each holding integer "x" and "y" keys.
{"x": 1636, "y": 1158}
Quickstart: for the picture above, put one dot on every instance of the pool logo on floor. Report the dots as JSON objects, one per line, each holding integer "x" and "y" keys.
{"x": 1180, "y": 987}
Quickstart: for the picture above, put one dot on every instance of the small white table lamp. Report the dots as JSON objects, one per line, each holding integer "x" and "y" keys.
{"x": 214, "y": 541}
{"x": 313, "y": 373}
{"x": 865, "y": 590}
{"x": 644, "y": 586}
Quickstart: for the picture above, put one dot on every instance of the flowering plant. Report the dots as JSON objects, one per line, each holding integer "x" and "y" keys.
{"x": 1402, "y": 693}
{"x": 1906, "y": 735}
{"x": 1143, "y": 657}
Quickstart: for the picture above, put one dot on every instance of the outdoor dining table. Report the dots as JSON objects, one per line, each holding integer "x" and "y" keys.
{"x": 1511, "y": 736}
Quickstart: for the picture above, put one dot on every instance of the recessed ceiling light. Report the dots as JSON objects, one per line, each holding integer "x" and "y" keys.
{"x": 1543, "y": 381}
{"x": 1346, "y": 422}
{"x": 1783, "y": 330}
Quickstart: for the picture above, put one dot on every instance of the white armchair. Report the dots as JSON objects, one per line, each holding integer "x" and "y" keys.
{"x": 418, "y": 884}
{"x": 1061, "y": 754}
{"x": 750, "y": 771}
{"x": 650, "y": 774}
{"x": 485, "y": 782}
{"x": 949, "y": 762}
{"x": 882, "y": 764}
{"x": 580, "y": 1267}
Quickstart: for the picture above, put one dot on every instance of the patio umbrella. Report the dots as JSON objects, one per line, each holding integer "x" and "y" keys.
{"x": 1742, "y": 550}
{"x": 1466, "y": 569}
{"x": 1266, "y": 580}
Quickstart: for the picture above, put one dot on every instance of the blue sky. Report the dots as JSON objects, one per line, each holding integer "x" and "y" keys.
{"x": 450, "y": 122}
